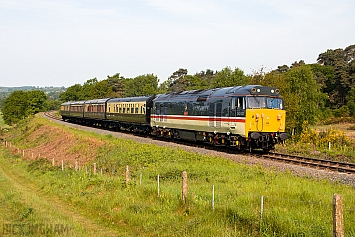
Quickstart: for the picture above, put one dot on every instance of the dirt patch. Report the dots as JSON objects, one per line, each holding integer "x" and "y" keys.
{"x": 341, "y": 126}
{"x": 57, "y": 143}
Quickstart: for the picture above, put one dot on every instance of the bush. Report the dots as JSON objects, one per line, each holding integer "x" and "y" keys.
{"x": 342, "y": 112}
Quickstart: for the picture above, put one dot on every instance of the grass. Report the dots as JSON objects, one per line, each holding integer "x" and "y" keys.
{"x": 293, "y": 206}
{"x": 27, "y": 212}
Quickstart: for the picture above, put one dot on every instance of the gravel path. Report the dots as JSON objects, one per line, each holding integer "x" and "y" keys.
{"x": 347, "y": 179}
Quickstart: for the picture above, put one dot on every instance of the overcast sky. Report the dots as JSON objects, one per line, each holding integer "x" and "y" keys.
{"x": 64, "y": 42}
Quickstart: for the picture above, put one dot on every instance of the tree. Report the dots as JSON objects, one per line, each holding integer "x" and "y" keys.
{"x": 15, "y": 107}
{"x": 116, "y": 82}
{"x": 273, "y": 79}
{"x": 37, "y": 102}
{"x": 21, "y": 104}
{"x": 344, "y": 74}
{"x": 141, "y": 85}
{"x": 227, "y": 77}
{"x": 100, "y": 89}
{"x": 176, "y": 82}
{"x": 351, "y": 101}
{"x": 87, "y": 89}
{"x": 302, "y": 97}
{"x": 206, "y": 78}
{"x": 283, "y": 68}
{"x": 73, "y": 93}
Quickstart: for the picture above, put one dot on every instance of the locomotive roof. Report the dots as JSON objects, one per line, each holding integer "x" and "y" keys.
{"x": 222, "y": 92}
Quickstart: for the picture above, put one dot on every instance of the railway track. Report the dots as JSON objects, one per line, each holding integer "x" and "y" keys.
{"x": 50, "y": 114}
{"x": 335, "y": 166}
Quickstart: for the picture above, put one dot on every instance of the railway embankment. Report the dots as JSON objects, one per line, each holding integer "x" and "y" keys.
{"x": 132, "y": 186}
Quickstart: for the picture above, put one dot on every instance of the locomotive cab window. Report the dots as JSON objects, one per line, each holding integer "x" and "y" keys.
{"x": 256, "y": 102}
{"x": 238, "y": 107}
{"x": 275, "y": 103}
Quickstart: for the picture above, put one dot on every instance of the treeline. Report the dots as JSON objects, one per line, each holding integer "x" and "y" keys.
{"x": 312, "y": 92}
{"x": 21, "y": 104}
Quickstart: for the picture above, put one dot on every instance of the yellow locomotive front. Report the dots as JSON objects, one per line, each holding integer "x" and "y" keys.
{"x": 265, "y": 118}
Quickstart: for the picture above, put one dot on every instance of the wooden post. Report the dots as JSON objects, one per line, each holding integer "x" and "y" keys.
{"x": 140, "y": 179}
{"x": 127, "y": 174}
{"x": 53, "y": 162}
{"x": 62, "y": 164}
{"x": 184, "y": 186}
{"x": 76, "y": 165}
{"x": 212, "y": 197}
{"x": 23, "y": 153}
{"x": 338, "y": 218}
{"x": 32, "y": 156}
{"x": 94, "y": 168}
{"x": 158, "y": 185}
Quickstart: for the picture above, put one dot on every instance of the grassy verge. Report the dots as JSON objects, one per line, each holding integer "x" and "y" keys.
{"x": 293, "y": 206}
{"x": 27, "y": 211}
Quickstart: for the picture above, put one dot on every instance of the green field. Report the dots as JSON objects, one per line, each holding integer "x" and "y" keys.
{"x": 105, "y": 205}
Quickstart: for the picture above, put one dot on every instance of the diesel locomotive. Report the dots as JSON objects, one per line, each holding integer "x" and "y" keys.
{"x": 243, "y": 117}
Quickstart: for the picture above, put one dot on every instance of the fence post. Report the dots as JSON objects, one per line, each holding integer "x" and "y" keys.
{"x": 184, "y": 186}
{"x": 140, "y": 179}
{"x": 76, "y": 165}
{"x": 127, "y": 174}
{"x": 212, "y": 197}
{"x": 62, "y": 164}
{"x": 94, "y": 168}
{"x": 261, "y": 211}
{"x": 338, "y": 218}
{"x": 158, "y": 185}
{"x": 53, "y": 162}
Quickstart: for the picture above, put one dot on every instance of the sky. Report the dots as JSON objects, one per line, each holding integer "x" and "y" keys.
{"x": 67, "y": 42}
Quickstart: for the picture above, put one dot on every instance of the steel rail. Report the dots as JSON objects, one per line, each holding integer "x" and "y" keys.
{"x": 338, "y": 166}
